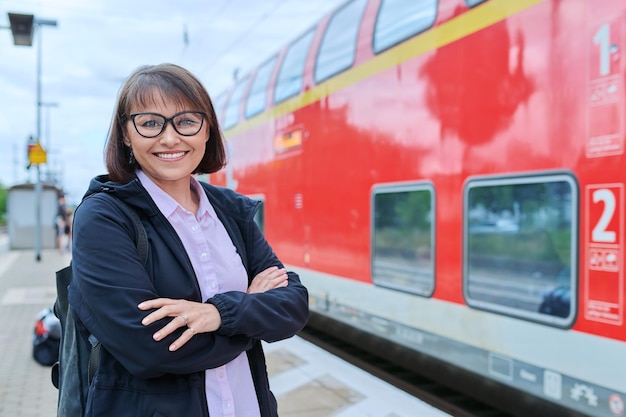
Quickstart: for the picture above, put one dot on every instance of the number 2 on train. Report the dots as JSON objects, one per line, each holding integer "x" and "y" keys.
{"x": 600, "y": 232}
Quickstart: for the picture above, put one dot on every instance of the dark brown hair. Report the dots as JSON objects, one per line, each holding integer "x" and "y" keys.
{"x": 150, "y": 84}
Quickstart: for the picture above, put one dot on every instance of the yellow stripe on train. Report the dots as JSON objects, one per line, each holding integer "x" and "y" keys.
{"x": 472, "y": 21}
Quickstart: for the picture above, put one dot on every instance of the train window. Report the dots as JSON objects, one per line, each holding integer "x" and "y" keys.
{"x": 289, "y": 81}
{"x": 218, "y": 106}
{"x": 472, "y": 3}
{"x": 520, "y": 247}
{"x": 403, "y": 230}
{"x": 257, "y": 97}
{"x": 259, "y": 217}
{"x": 338, "y": 47}
{"x": 398, "y": 20}
{"x": 231, "y": 113}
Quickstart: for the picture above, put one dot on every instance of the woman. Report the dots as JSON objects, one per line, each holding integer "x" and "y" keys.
{"x": 181, "y": 335}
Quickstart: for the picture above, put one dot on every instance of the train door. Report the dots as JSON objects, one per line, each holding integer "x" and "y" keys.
{"x": 290, "y": 185}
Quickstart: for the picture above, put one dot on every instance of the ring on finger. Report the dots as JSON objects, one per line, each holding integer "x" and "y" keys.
{"x": 193, "y": 332}
{"x": 184, "y": 317}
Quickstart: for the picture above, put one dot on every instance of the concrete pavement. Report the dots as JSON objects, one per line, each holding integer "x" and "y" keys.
{"x": 26, "y": 287}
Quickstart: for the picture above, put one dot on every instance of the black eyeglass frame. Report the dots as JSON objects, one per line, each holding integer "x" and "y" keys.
{"x": 166, "y": 120}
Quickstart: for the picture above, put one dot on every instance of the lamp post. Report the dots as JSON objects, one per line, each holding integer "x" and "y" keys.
{"x": 39, "y": 23}
{"x": 23, "y": 27}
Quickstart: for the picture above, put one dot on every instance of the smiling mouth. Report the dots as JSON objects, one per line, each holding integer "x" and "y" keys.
{"x": 170, "y": 155}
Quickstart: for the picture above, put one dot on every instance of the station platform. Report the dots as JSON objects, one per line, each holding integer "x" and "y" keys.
{"x": 307, "y": 381}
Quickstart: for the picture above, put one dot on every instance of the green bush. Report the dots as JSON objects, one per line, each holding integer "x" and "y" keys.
{"x": 3, "y": 205}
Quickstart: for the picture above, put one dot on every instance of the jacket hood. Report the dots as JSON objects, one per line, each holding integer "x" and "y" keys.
{"x": 133, "y": 194}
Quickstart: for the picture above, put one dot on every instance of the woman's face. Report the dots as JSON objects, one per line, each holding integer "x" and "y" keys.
{"x": 170, "y": 157}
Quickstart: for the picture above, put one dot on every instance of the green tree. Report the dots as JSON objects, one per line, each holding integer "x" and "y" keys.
{"x": 3, "y": 204}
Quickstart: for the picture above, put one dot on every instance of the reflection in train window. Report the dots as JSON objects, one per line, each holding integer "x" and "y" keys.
{"x": 289, "y": 81}
{"x": 338, "y": 47}
{"x": 472, "y": 3}
{"x": 257, "y": 97}
{"x": 403, "y": 254}
{"x": 520, "y": 246}
{"x": 398, "y": 20}
{"x": 231, "y": 113}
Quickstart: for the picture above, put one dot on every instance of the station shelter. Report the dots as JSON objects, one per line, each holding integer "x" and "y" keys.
{"x": 21, "y": 215}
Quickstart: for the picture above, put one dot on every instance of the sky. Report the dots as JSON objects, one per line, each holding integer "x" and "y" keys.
{"x": 97, "y": 44}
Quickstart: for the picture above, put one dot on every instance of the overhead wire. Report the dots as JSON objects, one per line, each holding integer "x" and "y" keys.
{"x": 249, "y": 30}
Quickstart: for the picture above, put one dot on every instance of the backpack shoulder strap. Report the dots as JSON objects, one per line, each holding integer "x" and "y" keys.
{"x": 141, "y": 243}
{"x": 142, "y": 248}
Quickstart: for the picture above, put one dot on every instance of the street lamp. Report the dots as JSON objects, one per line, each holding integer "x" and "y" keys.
{"x": 23, "y": 28}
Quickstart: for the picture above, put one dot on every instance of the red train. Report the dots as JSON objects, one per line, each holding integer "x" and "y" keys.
{"x": 447, "y": 176}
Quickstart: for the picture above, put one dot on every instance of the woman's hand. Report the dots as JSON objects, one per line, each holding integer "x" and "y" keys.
{"x": 196, "y": 317}
{"x": 271, "y": 278}
{"x": 200, "y": 317}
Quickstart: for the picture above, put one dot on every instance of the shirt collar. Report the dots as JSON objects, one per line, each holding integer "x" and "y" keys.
{"x": 205, "y": 206}
{"x": 167, "y": 205}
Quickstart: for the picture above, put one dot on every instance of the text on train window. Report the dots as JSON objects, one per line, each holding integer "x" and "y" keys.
{"x": 231, "y": 113}
{"x": 398, "y": 20}
{"x": 338, "y": 48}
{"x": 403, "y": 254}
{"x": 520, "y": 247}
{"x": 289, "y": 81}
{"x": 257, "y": 97}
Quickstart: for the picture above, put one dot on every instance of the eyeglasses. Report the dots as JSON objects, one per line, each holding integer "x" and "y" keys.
{"x": 151, "y": 125}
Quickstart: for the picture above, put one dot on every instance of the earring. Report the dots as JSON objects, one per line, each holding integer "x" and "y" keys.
{"x": 131, "y": 159}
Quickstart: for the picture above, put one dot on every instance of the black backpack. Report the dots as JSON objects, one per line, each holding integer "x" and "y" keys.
{"x": 79, "y": 357}
{"x": 46, "y": 338}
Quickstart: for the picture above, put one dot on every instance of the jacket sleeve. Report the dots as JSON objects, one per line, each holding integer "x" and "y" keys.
{"x": 109, "y": 281}
{"x": 272, "y": 315}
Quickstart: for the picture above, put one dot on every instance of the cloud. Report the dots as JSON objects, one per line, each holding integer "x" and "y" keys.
{"x": 97, "y": 44}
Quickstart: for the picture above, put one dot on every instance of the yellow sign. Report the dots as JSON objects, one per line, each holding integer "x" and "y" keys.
{"x": 36, "y": 154}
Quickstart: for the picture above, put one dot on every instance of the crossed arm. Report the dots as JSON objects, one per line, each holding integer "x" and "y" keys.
{"x": 201, "y": 317}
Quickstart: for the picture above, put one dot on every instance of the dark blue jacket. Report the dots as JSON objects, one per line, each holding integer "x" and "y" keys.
{"x": 138, "y": 376}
